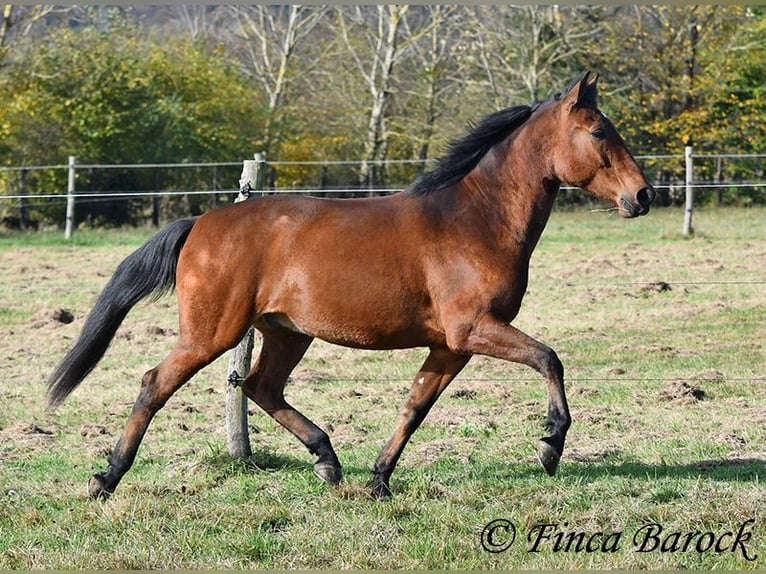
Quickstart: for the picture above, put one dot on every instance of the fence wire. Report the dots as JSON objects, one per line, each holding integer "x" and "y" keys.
{"x": 705, "y": 186}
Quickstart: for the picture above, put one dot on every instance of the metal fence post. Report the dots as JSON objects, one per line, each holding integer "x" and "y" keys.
{"x": 688, "y": 229}
{"x": 70, "y": 199}
{"x": 24, "y": 222}
{"x": 238, "y": 437}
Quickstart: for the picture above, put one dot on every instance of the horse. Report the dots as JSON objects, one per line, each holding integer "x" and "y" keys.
{"x": 442, "y": 264}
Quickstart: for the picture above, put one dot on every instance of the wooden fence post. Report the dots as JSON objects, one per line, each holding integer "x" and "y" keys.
{"x": 241, "y": 356}
{"x": 688, "y": 229}
{"x": 70, "y": 199}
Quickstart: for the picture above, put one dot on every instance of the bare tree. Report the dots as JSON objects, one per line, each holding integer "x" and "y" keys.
{"x": 5, "y": 24}
{"x": 18, "y": 20}
{"x": 375, "y": 59}
{"x": 433, "y": 58}
{"x": 270, "y": 36}
{"x": 199, "y": 21}
{"x": 524, "y": 49}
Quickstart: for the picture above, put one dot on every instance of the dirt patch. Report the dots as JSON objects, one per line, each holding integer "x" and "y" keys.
{"x": 599, "y": 265}
{"x": 92, "y": 430}
{"x": 432, "y": 451}
{"x": 64, "y": 316}
{"x": 710, "y": 376}
{"x": 309, "y": 375}
{"x": 465, "y": 394}
{"x": 23, "y": 437}
{"x": 583, "y": 391}
{"x": 26, "y": 429}
{"x": 734, "y": 462}
{"x": 594, "y": 455}
{"x": 157, "y": 331}
{"x": 347, "y": 433}
{"x": 656, "y": 287}
{"x": 681, "y": 392}
{"x": 452, "y": 417}
{"x": 653, "y": 350}
{"x": 52, "y": 317}
{"x": 732, "y": 440}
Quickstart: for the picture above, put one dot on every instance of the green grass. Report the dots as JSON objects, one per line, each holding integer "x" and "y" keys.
{"x": 109, "y": 238}
{"x": 641, "y": 448}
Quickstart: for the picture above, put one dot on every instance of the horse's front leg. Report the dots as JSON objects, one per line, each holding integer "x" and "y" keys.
{"x": 493, "y": 337}
{"x": 440, "y": 367}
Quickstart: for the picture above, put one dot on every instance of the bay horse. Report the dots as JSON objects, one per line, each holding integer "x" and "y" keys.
{"x": 442, "y": 264}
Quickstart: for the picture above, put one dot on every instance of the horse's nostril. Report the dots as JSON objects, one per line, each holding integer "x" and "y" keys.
{"x": 645, "y": 196}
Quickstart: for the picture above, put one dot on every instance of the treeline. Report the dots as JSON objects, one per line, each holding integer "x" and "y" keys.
{"x": 369, "y": 83}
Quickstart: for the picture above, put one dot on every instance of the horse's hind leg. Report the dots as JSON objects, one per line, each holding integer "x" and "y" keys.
{"x": 440, "y": 367}
{"x": 157, "y": 386}
{"x": 280, "y": 353}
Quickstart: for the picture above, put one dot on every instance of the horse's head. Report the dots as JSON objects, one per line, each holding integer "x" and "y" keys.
{"x": 589, "y": 153}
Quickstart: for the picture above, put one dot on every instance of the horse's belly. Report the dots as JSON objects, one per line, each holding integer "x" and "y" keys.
{"x": 354, "y": 325}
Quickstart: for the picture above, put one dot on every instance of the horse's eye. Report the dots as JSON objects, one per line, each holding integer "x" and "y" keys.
{"x": 598, "y": 133}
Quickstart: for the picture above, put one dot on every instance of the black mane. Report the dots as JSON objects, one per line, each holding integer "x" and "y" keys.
{"x": 465, "y": 153}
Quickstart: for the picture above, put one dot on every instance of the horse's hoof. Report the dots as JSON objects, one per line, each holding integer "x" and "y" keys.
{"x": 97, "y": 489}
{"x": 548, "y": 457}
{"x": 380, "y": 489}
{"x": 329, "y": 473}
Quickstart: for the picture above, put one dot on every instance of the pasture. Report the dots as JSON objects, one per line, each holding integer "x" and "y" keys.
{"x": 663, "y": 341}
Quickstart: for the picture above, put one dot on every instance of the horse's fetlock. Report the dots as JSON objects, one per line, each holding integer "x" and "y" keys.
{"x": 380, "y": 488}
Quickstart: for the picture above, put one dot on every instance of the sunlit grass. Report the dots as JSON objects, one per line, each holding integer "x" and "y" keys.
{"x": 643, "y": 447}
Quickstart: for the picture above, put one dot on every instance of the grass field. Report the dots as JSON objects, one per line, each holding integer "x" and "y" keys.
{"x": 663, "y": 342}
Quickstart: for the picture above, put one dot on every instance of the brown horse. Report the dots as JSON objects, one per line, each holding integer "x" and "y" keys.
{"x": 442, "y": 265}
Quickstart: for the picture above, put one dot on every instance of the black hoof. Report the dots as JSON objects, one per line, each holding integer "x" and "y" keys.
{"x": 97, "y": 489}
{"x": 380, "y": 489}
{"x": 329, "y": 473}
{"x": 548, "y": 457}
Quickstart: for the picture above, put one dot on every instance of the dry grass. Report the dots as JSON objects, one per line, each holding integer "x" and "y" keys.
{"x": 662, "y": 339}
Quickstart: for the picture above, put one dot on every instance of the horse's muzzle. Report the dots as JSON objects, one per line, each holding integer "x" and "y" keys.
{"x": 640, "y": 204}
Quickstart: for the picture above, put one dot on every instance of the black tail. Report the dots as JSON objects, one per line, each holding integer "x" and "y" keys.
{"x": 149, "y": 270}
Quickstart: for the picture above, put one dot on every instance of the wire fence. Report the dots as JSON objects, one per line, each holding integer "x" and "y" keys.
{"x": 665, "y": 170}
{"x": 739, "y": 176}
{"x": 120, "y": 194}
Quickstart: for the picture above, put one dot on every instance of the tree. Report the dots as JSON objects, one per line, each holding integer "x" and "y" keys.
{"x": 652, "y": 51}
{"x": 18, "y": 21}
{"x": 374, "y": 58}
{"x": 523, "y": 52}
{"x": 199, "y": 21}
{"x": 111, "y": 96}
{"x": 434, "y": 70}
{"x": 730, "y": 85}
{"x": 270, "y": 37}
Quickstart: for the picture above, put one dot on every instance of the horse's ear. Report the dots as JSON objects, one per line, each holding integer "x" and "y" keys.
{"x": 584, "y": 93}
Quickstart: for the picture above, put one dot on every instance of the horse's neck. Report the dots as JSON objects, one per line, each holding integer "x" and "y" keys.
{"x": 514, "y": 194}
